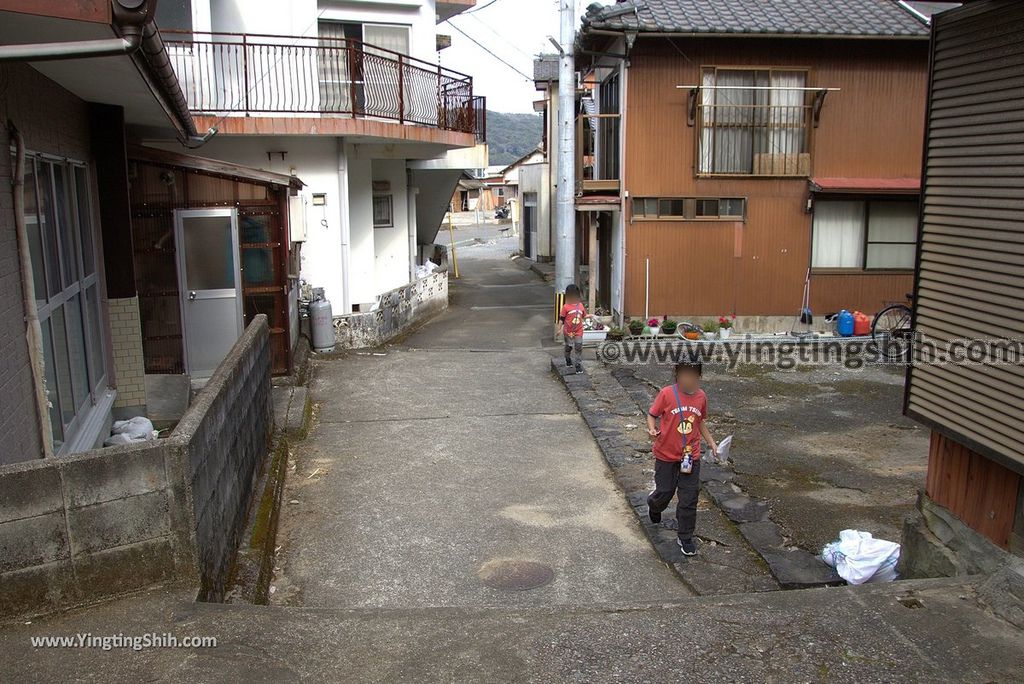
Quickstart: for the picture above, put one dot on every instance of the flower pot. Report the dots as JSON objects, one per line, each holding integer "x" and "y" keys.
{"x": 709, "y": 335}
{"x": 723, "y": 333}
{"x": 691, "y": 335}
{"x": 595, "y": 335}
{"x": 655, "y": 330}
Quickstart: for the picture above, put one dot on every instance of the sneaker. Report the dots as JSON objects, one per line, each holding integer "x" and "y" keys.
{"x": 687, "y": 547}
{"x": 579, "y": 367}
{"x": 568, "y": 362}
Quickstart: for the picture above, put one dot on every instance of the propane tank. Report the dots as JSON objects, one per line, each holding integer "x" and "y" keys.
{"x": 321, "y": 319}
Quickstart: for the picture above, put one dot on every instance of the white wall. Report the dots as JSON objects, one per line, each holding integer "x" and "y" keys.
{"x": 300, "y": 17}
{"x": 536, "y": 178}
{"x": 360, "y": 189}
{"x": 391, "y": 245}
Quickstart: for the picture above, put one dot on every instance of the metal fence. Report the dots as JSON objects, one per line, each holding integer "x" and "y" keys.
{"x": 229, "y": 73}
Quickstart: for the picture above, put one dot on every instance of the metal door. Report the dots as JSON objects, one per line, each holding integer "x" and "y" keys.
{"x": 210, "y": 283}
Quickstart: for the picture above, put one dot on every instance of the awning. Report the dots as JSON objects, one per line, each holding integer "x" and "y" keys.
{"x": 864, "y": 186}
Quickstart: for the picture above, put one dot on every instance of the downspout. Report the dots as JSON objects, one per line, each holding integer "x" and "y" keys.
{"x": 33, "y": 331}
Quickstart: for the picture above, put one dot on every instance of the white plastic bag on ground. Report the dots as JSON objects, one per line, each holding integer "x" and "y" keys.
{"x": 137, "y": 429}
{"x": 858, "y": 557}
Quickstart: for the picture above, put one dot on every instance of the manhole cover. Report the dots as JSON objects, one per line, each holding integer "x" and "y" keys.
{"x": 515, "y": 575}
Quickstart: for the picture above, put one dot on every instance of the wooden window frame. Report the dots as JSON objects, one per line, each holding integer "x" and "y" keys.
{"x": 863, "y": 268}
{"x": 689, "y": 214}
{"x": 696, "y": 120}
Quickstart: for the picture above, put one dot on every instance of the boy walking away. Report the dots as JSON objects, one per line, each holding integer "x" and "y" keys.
{"x": 681, "y": 410}
{"x": 570, "y": 325}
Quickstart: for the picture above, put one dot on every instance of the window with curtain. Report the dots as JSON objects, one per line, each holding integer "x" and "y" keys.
{"x": 753, "y": 122}
{"x": 859, "y": 234}
{"x": 58, "y": 221}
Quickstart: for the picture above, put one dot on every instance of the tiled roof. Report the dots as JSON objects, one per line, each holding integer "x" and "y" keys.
{"x": 545, "y": 68}
{"x": 772, "y": 17}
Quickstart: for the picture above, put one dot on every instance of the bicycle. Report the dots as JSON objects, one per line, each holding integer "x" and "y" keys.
{"x": 891, "y": 329}
{"x": 892, "y": 322}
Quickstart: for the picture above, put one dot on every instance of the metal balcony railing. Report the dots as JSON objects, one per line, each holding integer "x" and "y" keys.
{"x": 250, "y": 74}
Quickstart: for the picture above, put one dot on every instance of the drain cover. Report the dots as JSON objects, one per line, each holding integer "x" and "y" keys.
{"x": 515, "y": 575}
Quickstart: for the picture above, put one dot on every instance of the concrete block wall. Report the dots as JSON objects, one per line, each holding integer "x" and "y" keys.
{"x": 126, "y": 344}
{"x": 400, "y": 310}
{"x": 227, "y": 432}
{"x": 81, "y": 528}
{"x": 109, "y": 521}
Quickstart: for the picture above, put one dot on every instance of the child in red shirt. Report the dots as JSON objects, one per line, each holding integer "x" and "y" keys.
{"x": 681, "y": 409}
{"x": 570, "y": 326}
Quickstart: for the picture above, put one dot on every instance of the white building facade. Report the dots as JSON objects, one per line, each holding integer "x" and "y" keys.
{"x": 348, "y": 96}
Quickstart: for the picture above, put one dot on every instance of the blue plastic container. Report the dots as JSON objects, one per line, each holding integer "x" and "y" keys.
{"x": 844, "y": 324}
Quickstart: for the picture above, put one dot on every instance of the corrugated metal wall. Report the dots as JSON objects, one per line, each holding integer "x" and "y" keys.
{"x": 873, "y": 128}
{"x": 971, "y": 272}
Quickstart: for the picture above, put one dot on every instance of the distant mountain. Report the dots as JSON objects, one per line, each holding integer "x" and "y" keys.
{"x": 511, "y": 136}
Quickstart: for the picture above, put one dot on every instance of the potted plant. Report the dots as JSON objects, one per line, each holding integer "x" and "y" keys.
{"x": 655, "y": 326}
{"x": 691, "y": 332}
{"x": 616, "y": 334}
{"x": 593, "y": 330}
{"x": 725, "y": 326}
{"x": 710, "y": 329}
{"x": 669, "y": 327}
{"x": 636, "y": 328}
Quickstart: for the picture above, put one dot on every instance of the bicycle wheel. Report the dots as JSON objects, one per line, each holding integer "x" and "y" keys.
{"x": 892, "y": 322}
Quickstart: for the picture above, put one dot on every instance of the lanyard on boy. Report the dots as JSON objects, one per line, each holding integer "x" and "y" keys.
{"x": 686, "y": 464}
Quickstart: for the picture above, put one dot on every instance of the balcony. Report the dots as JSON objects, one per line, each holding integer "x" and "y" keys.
{"x": 597, "y": 155}
{"x": 226, "y": 74}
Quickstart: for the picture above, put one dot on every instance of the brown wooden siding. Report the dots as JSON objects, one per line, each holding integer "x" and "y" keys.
{"x": 873, "y": 128}
{"x": 261, "y": 213}
{"x": 982, "y": 493}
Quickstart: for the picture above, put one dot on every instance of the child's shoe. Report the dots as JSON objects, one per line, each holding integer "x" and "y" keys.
{"x": 687, "y": 547}
{"x": 568, "y": 362}
{"x": 579, "y": 368}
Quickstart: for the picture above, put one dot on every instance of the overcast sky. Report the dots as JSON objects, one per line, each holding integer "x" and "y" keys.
{"x": 515, "y": 31}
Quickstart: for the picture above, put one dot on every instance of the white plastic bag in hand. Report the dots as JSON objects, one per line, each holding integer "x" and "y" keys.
{"x": 722, "y": 455}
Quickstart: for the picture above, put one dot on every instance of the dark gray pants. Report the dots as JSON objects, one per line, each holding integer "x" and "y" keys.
{"x": 573, "y": 344}
{"x": 686, "y": 486}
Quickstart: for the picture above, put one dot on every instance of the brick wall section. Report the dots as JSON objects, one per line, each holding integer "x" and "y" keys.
{"x": 102, "y": 523}
{"x": 126, "y": 343}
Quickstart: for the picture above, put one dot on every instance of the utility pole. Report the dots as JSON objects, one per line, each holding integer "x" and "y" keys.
{"x": 565, "y": 247}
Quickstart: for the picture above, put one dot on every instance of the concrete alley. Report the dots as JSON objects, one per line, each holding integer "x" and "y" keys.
{"x": 438, "y": 467}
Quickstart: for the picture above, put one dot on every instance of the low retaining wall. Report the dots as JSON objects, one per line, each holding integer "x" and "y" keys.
{"x": 110, "y": 521}
{"x": 399, "y": 311}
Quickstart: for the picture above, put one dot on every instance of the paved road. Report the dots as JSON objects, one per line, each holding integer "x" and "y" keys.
{"x": 448, "y": 461}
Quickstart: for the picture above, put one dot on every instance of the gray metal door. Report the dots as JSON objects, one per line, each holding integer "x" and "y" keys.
{"x": 208, "y": 273}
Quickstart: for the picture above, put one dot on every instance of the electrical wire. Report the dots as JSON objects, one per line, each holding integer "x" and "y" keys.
{"x": 488, "y": 51}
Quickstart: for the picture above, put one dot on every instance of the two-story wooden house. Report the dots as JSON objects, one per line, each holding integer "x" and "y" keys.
{"x": 730, "y": 148}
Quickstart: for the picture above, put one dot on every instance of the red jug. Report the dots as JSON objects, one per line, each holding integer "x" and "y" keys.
{"x": 861, "y": 324}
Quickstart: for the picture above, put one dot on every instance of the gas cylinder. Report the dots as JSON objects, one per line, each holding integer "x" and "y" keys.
{"x": 844, "y": 323}
{"x": 321, "y": 317}
{"x": 861, "y": 324}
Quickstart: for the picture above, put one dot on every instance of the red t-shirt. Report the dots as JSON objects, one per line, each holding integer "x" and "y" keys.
{"x": 679, "y": 432}
{"x": 572, "y": 316}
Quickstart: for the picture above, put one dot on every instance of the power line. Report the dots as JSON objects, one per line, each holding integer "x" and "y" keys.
{"x": 507, "y": 41}
{"x": 481, "y": 7}
{"x": 488, "y": 51}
